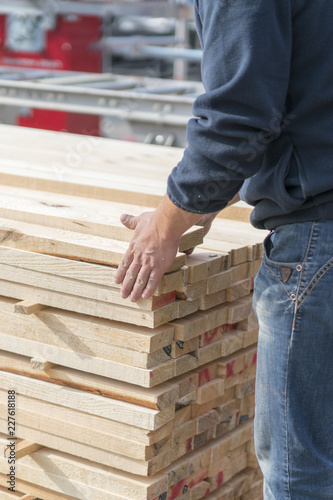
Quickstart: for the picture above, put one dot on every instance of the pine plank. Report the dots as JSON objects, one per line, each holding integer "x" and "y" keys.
{"x": 79, "y": 289}
{"x": 238, "y": 290}
{"x": 28, "y": 307}
{"x": 108, "y": 442}
{"x": 82, "y": 333}
{"x": 68, "y": 244}
{"x": 151, "y": 319}
{"x": 192, "y": 291}
{"x": 239, "y": 253}
{"x": 103, "y": 457}
{"x": 119, "y": 411}
{"x": 6, "y": 495}
{"x": 158, "y": 398}
{"x": 60, "y": 484}
{"x": 207, "y": 373}
{"x": 77, "y": 270}
{"x": 71, "y": 417}
{"x": 22, "y": 448}
{"x": 227, "y": 278}
{"x": 200, "y": 490}
{"x": 38, "y": 491}
{"x": 113, "y": 480}
{"x": 76, "y": 214}
{"x": 213, "y": 300}
{"x": 211, "y": 390}
{"x": 114, "y": 164}
{"x": 91, "y": 364}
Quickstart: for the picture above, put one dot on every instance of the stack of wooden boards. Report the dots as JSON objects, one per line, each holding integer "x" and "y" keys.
{"x": 115, "y": 400}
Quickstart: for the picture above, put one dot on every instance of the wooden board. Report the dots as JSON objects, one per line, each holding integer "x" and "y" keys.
{"x": 81, "y": 289}
{"x": 158, "y": 398}
{"x": 91, "y": 364}
{"x": 77, "y": 270}
{"x": 80, "y": 215}
{"x": 118, "y": 411}
{"x": 68, "y": 244}
{"x": 107, "y": 170}
{"x": 37, "y": 492}
{"x": 51, "y": 412}
{"x": 151, "y": 319}
{"x": 81, "y": 333}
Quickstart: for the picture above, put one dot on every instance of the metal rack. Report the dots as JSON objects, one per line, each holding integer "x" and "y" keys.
{"x": 45, "y": 12}
{"x": 148, "y": 110}
{"x": 157, "y": 8}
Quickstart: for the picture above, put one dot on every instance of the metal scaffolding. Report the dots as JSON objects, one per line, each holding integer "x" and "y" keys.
{"x": 152, "y": 109}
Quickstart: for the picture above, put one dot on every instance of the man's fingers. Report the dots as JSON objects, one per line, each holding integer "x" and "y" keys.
{"x": 130, "y": 279}
{"x": 152, "y": 283}
{"x": 125, "y": 263}
{"x": 140, "y": 284}
{"x": 129, "y": 221}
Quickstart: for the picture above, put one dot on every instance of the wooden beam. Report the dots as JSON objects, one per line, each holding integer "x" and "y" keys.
{"x": 77, "y": 214}
{"x": 151, "y": 319}
{"x": 90, "y": 364}
{"x": 28, "y": 307}
{"x": 79, "y": 289}
{"x": 158, "y": 398}
{"x": 68, "y": 244}
{"x": 54, "y": 414}
{"x": 22, "y": 449}
{"x": 83, "y": 334}
{"x": 77, "y": 270}
{"x": 118, "y": 411}
{"x": 41, "y": 364}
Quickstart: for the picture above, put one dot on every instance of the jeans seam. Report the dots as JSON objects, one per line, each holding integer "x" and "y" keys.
{"x": 301, "y": 274}
{"x": 289, "y": 355}
{"x": 286, "y": 414}
{"x": 315, "y": 280}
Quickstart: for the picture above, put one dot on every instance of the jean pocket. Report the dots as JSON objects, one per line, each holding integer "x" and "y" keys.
{"x": 268, "y": 245}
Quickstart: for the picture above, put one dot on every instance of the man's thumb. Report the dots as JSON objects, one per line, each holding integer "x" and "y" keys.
{"x": 130, "y": 221}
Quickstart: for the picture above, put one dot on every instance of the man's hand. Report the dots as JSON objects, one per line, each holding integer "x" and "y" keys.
{"x": 148, "y": 257}
{"x": 153, "y": 248}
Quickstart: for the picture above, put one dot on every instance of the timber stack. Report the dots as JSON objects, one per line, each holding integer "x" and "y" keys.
{"x": 152, "y": 400}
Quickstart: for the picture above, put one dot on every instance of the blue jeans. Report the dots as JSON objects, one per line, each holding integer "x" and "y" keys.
{"x": 293, "y": 301}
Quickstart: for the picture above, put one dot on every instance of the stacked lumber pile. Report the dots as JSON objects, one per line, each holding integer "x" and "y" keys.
{"x": 115, "y": 400}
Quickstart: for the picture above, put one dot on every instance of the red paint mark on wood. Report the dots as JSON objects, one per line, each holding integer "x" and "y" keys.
{"x": 204, "y": 377}
{"x": 197, "y": 480}
{"x": 189, "y": 444}
{"x": 219, "y": 480}
{"x": 176, "y": 490}
{"x": 158, "y": 489}
{"x": 254, "y": 359}
{"x": 224, "y": 328}
{"x": 210, "y": 336}
{"x": 230, "y": 369}
{"x": 207, "y": 492}
{"x": 163, "y": 300}
{"x": 151, "y": 374}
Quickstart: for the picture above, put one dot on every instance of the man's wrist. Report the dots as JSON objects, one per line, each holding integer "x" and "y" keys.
{"x": 171, "y": 221}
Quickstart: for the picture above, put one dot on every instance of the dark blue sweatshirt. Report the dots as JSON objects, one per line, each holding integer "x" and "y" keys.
{"x": 265, "y": 124}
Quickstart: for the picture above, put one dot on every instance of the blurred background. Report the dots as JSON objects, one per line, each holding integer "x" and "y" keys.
{"x": 124, "y": 69}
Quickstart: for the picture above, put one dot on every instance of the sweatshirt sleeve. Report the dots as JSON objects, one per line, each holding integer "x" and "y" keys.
{"x": 245, "y": 71}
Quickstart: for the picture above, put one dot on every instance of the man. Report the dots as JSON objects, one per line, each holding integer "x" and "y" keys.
{"x": 264, "y": 128}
